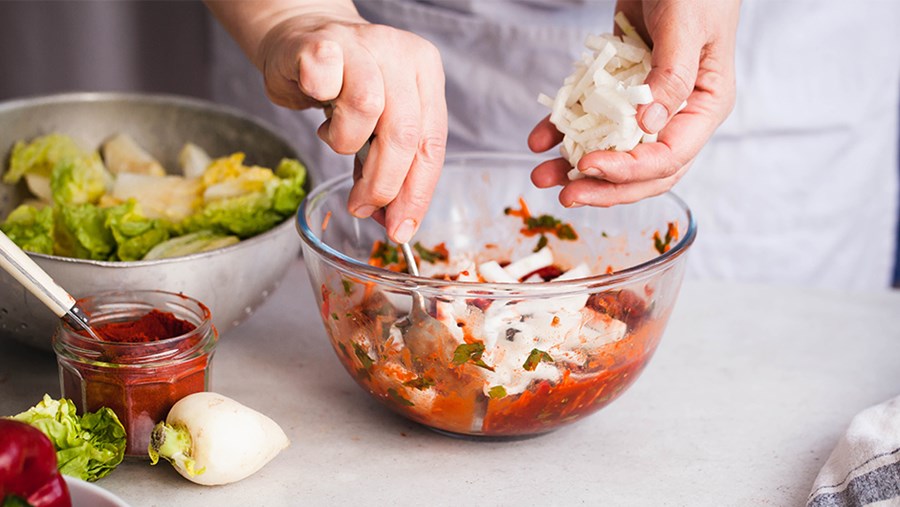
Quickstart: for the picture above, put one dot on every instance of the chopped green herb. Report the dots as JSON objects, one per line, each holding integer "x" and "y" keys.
{"x": 363, "y": 357}
{"x": 399, "y": 399}
{"x": 536, "y": 357}
{"x": 497, "y": 392}
{"x": 385, "y": 253}
{"x": 603, "y": 233}
{"x": 542, "y": 222}
{"x": 470, "y": 352}
{"x": 565, "y": 231}
{"x": 542, "y": 242}
{"x": 420, "y": 383}
{"x": 334, "y": 316}
{"x": 662, "y": 245}
{"x": 348, "y": 286}
{"x": 431, "y": 256}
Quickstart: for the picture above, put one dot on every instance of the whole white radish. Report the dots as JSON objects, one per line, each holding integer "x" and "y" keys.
{"x": 211, "y": 439}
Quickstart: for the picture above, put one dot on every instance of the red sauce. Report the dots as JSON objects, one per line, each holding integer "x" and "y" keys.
{"x": 438, "y": 392}
{"x": 152, "y": 326}
{"x": 140, "y": 369}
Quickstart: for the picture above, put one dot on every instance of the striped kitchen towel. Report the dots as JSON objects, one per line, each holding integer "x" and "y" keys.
{"x": 864, "y": 468}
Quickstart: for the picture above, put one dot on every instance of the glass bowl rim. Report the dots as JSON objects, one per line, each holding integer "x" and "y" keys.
{"x": 408, "y": 282}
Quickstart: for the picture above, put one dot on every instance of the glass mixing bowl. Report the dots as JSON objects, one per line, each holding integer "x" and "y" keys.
{"x": 505, "y": 359}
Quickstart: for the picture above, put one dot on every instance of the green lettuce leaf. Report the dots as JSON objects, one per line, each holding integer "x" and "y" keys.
{"x": 88, "y": 447}
{"x": 79, "y": 180}
{"x": 243, "y": 216}
{"x": 264, "y": 204}
{"x": 40, "y": 156}
{"x": 195, "y": 242}
{"x": 30, "y": 228}
{"x": 81, "y": 232}
{"x": 288, "y": 192}
{"x": 134, "y": 233}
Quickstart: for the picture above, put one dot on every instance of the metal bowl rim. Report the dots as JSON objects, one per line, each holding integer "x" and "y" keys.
{"x": 154, "y": 99}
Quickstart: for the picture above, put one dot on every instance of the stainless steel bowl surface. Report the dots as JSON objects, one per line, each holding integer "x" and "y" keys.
{"x": 231, "y": 281}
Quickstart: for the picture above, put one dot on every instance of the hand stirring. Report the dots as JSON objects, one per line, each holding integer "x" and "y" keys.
{"x": 422, "y": 330}
{"x": 18, "y": 264}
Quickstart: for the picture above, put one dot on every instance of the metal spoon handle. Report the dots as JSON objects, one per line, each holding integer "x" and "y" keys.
{"x": 18, "y": 264}
{"x": 410, "y": 259}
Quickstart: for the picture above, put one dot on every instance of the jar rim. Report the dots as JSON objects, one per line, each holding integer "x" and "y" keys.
{"x": 71, "y": 344}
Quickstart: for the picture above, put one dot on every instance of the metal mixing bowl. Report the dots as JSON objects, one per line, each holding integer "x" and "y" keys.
{"x": 231, "y": 281}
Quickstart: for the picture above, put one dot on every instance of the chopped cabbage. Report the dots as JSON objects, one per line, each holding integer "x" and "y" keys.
{"x": 195, "y": 242}
{"x": 79, "y": 180}
{"x": 39, "y": 156}
{"x": 173, "y": 198}
{"x": 193, "y": 160}
{"x": 30, "y": 228}
{"x": 123, "y": 155}
{"x": 135, "y": 234}
{"x": 80, "y": 231}
{"x": 123, "y": 214}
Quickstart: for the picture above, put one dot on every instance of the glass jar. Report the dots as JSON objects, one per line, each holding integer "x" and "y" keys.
{"x": 139, "y": 381}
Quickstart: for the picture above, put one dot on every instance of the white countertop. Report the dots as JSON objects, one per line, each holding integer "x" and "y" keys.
{"x": 748, "y": 393}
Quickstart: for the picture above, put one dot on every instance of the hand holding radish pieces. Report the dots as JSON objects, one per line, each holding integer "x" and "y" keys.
{"x": 631, "y": 119}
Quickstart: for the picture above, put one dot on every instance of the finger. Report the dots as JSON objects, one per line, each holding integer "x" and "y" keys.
{"x": 544, "y": 136}
{"x": 393, "y": 148}
{"x": 360, "y": 104}
{"x": 321, "y": 68}
{"x": 634, "y": 13}
{"x": 678, "y": 143}
{"x": 673, "y": 72}
{"x": 551, "y": 173}
{"x": 595, "y": 192}
{"x": 280, "y": 77}
{"x": 406, "y": 212}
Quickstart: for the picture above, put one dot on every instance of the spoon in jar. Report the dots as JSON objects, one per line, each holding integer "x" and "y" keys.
{"x": 17, "y": 263}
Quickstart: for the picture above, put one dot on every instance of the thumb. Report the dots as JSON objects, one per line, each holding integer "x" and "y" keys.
{"x": 673, "y": 72}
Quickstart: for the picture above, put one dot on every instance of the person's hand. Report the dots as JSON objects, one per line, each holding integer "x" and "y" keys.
{"x": 693, "y": 60}
{"x": 377, "y": 82}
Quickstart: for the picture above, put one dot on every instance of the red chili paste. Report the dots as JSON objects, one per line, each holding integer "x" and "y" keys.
{"x": 151, "y": 327}
{"x": 132, "y": 380}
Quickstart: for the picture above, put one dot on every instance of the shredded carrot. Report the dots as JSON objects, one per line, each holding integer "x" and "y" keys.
{"x": 326, "y": 220}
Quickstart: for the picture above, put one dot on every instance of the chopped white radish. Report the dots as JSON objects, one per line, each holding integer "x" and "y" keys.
{"x": 530, "y": 263}
{"x": 211, "y": 439}
{"x": 595, "y": 107}
{"x": 493, "y": 272}
{"x": 639, "y": 94}
{"x": 580, "y": 271}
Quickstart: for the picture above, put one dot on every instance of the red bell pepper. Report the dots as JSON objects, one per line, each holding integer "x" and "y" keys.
{"x": 28, "y": 468}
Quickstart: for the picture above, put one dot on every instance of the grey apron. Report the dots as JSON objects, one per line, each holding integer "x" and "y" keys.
{"x": 799, "y": 185}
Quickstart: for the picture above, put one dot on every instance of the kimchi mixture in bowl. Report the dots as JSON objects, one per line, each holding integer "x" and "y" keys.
{"x": 544, "y": 314}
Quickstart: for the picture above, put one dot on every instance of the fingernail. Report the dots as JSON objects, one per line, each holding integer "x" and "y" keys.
{"x": 655, "y": 117}
{"x": 594, "y": 172}
{"x": 364, "y": 211}
{"x": 404, "y": 232}
{"x": 575, "y": 204}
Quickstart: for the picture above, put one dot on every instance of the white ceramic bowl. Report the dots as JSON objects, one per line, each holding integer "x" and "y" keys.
{"x": 86, "y": 494}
